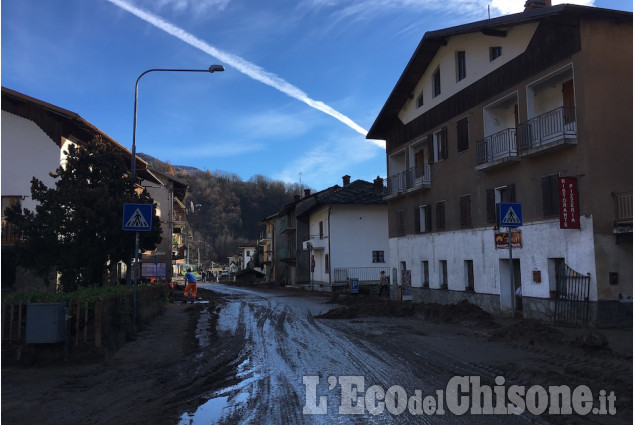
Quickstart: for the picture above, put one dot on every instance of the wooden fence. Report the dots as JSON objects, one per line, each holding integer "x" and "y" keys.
{"x": 89, "y": 323}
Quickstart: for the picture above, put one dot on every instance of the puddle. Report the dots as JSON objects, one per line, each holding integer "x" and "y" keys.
{"x": 226, "y": 401}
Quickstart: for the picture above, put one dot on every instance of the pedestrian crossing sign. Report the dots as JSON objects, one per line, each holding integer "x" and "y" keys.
{"x": 137, "y": 217}
{"x": 510, "y": 215}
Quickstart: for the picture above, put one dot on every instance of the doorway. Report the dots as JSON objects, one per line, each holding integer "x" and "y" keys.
{"x": 507, "y": 290}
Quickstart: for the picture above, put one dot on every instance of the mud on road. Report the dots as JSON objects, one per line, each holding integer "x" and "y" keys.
{"x": 178, "y": 362}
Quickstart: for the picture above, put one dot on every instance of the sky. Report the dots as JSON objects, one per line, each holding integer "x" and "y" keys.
{"x": 304, "y": 80}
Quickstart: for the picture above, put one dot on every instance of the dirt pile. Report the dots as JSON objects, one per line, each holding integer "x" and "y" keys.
{"x": 463, "y": 313}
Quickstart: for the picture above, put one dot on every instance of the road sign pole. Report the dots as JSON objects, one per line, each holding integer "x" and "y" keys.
{"x": 136, "y": 273}
{"x": 511, "y": 271}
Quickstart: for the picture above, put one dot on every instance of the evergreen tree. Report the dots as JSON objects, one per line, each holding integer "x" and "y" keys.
{"x": 76, "y": 228}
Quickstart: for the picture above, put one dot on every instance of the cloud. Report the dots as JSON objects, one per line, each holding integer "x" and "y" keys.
{"x": 207, "y": 150}
{"x": 194, "y": 8}
{"x": 272, "y": 124}
{"x": 329, "y": 161}
{"x": 251, "y": 70}
{"x": 506, "y": 7}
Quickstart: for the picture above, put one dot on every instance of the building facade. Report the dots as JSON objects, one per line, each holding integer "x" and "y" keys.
{"x": 520, "y": 109}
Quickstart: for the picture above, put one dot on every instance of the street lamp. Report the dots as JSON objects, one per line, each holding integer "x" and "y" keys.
{"x": 133, "y": 162}
{"x": 211, "y": 70}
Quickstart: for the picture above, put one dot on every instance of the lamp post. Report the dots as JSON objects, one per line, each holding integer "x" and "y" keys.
{"x": 133, "y": 162}
{"x": 211, "y": 70}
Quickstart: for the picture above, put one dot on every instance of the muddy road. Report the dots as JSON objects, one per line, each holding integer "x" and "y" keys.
{"x": 294, "y": 361}
{"x": 263, "y": 356}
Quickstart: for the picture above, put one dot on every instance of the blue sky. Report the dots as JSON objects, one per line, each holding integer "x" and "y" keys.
{"x": 304, "y": 79}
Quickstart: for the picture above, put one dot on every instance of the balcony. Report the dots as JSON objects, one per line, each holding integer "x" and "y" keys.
{"x": 408, "y": 180}
{"x": 623, "y": 225}
{"x": 553, "y": 129}
{"x": 10, "y": 233}
{"x": 497, "y": 149}
{"x": 315, "y": 243}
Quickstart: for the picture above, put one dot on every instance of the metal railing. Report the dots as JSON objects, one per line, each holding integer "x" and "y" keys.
{"x": 547, "y": 128}
{"x": 365, "y": 275}
{"x": 624, "y": 206}
{"x": 496, "y": 146}
{"x": 412, "y": 178}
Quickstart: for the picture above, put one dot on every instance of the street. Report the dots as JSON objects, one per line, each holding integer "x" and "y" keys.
{"x": 290, "y": 367}
{"x": 243, "y": 355}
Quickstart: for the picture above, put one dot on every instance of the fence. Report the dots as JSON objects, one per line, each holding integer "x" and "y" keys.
{"x": 98, "y": 323}
{"x": 365, "y": 275}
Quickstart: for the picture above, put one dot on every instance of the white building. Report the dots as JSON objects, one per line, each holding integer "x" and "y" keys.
{"x": 348, "y": 233}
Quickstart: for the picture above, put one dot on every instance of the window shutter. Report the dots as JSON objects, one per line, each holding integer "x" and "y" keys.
{"x": 511, "y": 192}
{"x": 441, "y": 215}
{"x": 428, "y": 213}
{"x": 444, "y": 143}
{"x": 491, "y": 205}
{"x": 417, "y": 220}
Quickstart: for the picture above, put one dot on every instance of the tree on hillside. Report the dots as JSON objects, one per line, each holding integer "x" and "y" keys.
{"x": 76, "y": 228}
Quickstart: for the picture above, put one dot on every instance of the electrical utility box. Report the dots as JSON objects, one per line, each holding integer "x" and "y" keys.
{"x": 46, "y": 323}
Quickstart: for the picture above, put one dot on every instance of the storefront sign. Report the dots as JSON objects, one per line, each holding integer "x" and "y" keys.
{"x": 501, "y": 239}
{"x": 568, "y": 198}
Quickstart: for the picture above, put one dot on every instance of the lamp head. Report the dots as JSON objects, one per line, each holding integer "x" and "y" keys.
{"x": 216, "y": 68}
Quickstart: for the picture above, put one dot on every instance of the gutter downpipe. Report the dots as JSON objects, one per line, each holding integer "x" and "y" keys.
{"x": 328, "y": 219}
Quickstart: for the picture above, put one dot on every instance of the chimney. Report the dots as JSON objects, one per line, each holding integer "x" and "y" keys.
{"x": 378, "y": 186}
{"x": 307, "y": 193}
{"x": 346, "y": 180}
{"x": 536, "y": 4}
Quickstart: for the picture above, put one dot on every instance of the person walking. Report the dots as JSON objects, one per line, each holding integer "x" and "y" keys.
{"x": 190, "y": 285}
{"x": 383, "y": 284}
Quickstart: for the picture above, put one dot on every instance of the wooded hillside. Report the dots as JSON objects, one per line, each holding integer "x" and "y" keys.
{"x": 227, "y": 210}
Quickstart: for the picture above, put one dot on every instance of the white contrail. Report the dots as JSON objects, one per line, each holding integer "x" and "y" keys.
{"x": 247, "y": 68}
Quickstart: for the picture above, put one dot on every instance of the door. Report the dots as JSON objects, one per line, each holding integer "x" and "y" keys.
{"x": 507, "y": 290}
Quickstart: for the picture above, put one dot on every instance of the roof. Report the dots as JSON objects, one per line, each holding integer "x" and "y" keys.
{"x": 433, "y": 40}
{"x": 58, "y": 122}
{"x": 359, "y": 192}
{"x": 180, "y": 186}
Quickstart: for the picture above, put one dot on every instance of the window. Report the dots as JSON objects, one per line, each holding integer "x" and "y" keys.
{"x": 443, "y": 274}
{"x": 495, "y": 197}
{"x": 495, "y": 52}
{"x": 399, "y": 222}
{"x": 440, "y": 215}
{"x": 321, "y": 230}
{"x": 420, "y": 100}
{"x": 10, "y": 233}
{"x": 550, "y": 205}
{"x": 465, "y": 203}
{"x": 436, "y": 82}
{"x": 462, "y": 139}
{"x": 469, "y": 274}
{"x": 461, "y": 68}
{"x": 441, "y": 145}
{"x": 326, "y": 263}
{"x": 247, "y": 253}
{"x": 378, "y": 257}
{"x": 423, "y": 219}
{"x": 425, "y": 274}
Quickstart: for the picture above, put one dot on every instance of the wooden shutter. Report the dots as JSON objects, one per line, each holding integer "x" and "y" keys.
{"x": 462, "y": 138}
{"x": 490, "y": 197}
{"x": 417, "y": 220}
{"x": 568, "y": 101}
{"x": 444, "y": 143}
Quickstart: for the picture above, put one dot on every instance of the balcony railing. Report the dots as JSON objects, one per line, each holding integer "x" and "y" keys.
{"x": 624, "y": 207}
{"x": 496, "y": 147}
{"x": 412, "y": 178}
{"x": 543, "y": 130}
{"x": 365, "y": 275}
{"x": 178, "y": 215}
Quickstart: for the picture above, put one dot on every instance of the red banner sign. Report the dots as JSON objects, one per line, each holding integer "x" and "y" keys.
{"x": 568, "y": 198}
